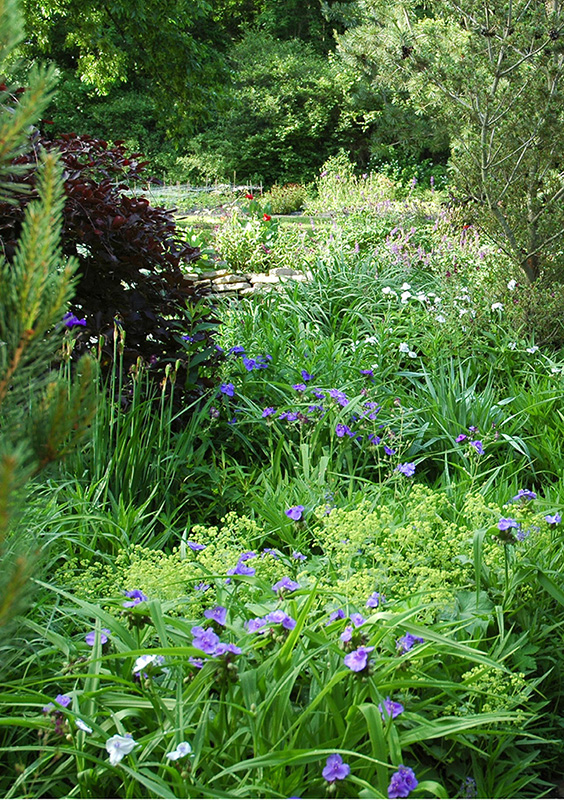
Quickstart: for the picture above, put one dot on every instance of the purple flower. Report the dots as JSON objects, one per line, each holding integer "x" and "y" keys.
{"x": 70, "y": 320}
{"x": 553, "y": 519}
{"x": 206, "y": 640}
{"x": 90, "y": 638}
{"x": 222, "y": 649}
{"x": 389, "y": 451}
{"x": 136, "y": 596}
{"x": 358, "y": 659}
{"x": 403, "y": 782}
{"x": 460, "y": 438}
{"x": 255, "y": 363}
{"x": 339, "y": 396}
{"x": 506, "y": 523}
{"x": 228, "y": 389}
{"x": 280, "y": 617}
{"x": 196, "y": 546}
{"x": 373, "y": 439}
{"x": 390, "y": 709}
{"x": 473, "y": 429}
{"x": 217, "y": 614}
{"x": 291, "y": 416}
{"x": 196, "y": 662}
{"x": 346, "y": 635}
{"x": 299, "y": 387}
{"x": 406, "y": 469}
{"x": 238, "y": 350}
{"x": 376, "y": 599}
{"x": 241, "y": 569}
{"x": 369, "y": 372}
{"x": 299, "y": 556}
{"x": 343, "y": 430}
{"x": 268, "y": 551}
{"x": 62, "y": 699}
{"x": 335, "y": 769}
{"x": 357, "y": 620}
{"x": 337, "y": 614}
{"x": 524, "y": 495}
{"x": 478, "y": 446}
{"x": 318, "y": 394}
{"x": 306, "y": 375}
{"x": 202, "y": 587}
{"x": 255, "y": 625}
{"x": 405, "y": 643}
{"x": 268, "y": 412}
{"x": 187, "y": 338}
{"x": 286, "y": 584}
{"x": 295, "y": 513}
{"x": 247, "y": 555}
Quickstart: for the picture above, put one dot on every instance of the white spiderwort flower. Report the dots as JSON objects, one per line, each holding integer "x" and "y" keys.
{"x": 497, "y": 306}
{"x": 149, "y": 659}
{"x": 120, "y": 746}
{"x": 82, "y": 726}
{"x": 405, "y": 296}
{"x": 183, "y": 749}
{"x": 512, "y": 285}
{"x": 404, "y": 347}
{"x": 532, "y": 349}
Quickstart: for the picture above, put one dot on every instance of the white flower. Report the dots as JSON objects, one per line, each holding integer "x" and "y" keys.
{"x": 405, "y": 296}
{"x": 511, "y": 285}
{"x": 532, "y": 349}
{"x": 120, "y": 746}
{"x": 412, "y": 354}
{"x": 438, "y": 300}
{"x": 497, "y": 306}
{"x": 182, "y": 750}
{"x": 82, "y": 726}
{"x": 440, "y": 318}
{"x": 555, "y": 370}
{"x": 389, "y": 290}
{"x": 371, "y": 340}
{"x": 404, "y": 347}
{"x": 512, "y": 345}
{"x": 147, "y": 660}
{"x": 422, "y": 297}
{"x": 405, "y": 287}
{"x": 463, "y": 311}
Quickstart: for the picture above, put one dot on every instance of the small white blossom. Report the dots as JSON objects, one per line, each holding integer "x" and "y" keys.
{"x": 182, "y": 750}
{"x": 82, "y": 726}
{"x": 371, "y": 340}
{"x": 512, "y": 285}
{"x": 405, "y": 296}
{"x": 497, "y": 306}
{"x": 512, "y": 345}
{"x": 440, "y": 318}
{"x": 412, "y": 354}
{"x": 150, "y": 659}
{"x": 404, "y": 347}
{"x": 422, "y": 297}
{"x": 532, "y": 349}
{"x": 463, "y": 311}
{"x": 438, "y": 300}
{"x": 388, "y": 290}
{"x": 405, "y": 287}
{"x": 120, "y": 746}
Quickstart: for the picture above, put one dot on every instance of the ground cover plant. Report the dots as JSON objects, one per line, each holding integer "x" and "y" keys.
{"x": 337, "y": 569}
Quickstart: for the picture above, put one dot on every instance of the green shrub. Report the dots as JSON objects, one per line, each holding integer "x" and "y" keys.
{"x": 287, "y": 198}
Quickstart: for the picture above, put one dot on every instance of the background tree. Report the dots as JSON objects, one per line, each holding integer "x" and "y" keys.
{"x": 491, "y": 73}
{"x": 41, "y": 416}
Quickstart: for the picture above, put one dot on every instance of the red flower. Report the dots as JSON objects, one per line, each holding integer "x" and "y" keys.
{"x": 266, "y": 217}
{"x": 250, "y": 196}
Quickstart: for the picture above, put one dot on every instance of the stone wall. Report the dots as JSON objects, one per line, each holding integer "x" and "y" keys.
{"x": 223, "y": 282}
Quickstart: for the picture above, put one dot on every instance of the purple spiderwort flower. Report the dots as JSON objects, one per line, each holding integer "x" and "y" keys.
{"x": 290, "y": 416}
{"x": 205, "y": 640}
{"x": 298, "y": 556}
{"x": 137, "y": 596}
{"x": 368, "y": 372}
{"x": 357, "y": 620}
{"x": 286, "y": 584}
{"x": 90, "y": 638}
{"x": 295, "y": 512}
{"x": 406, "y": 469}
{"x": 196, "y": 546}
{"x": 339, "y": 396}
{"x": 255, "y": 625}
{"x": 217, "y": 614}
{"x": 343, "y": 430}
{"x": 247, "y": 555}
{"x": 346, "y": 635}
{"x": 299, "y": 387}
{"x": 358, "y": 659}
{"x": 524, "y": 495}
{"x": 238, "y": 350}
{"x": 478, "y": 447}
{"x": 335, "y": 769}
{"x": 197, "y": 662}
{"x": 70, "y": 320}
{"x": 223, "y": 649}
{"x": 227, "y": 389}
{"x": 306, "y": 375}
{"x": 280, "y": 617}
{"x": 390, "y": 709}
{"x": 337, "y": 614}
{"x": 268, "y": 412}
{"x": 389, "y": 451}
{"x": 403, "y": 782}
{"x": 460, "y": 438}
{"x": 241, "y": 569}
{"x": 406, "y": 642}
{"x": 506, "y": 523}
{"x": 373, "y": 439}
{"x": 553, "y": 519}
{"x": 62, "y": 699}
{"x": 376, "y": 599}
{"x": 269, "y": 551}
